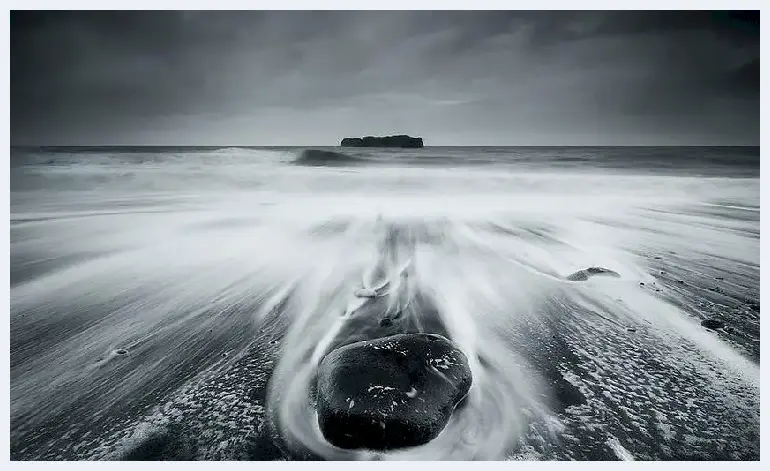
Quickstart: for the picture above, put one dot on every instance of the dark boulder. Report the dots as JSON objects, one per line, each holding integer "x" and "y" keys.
{"x": 392, "y": 392}
{"x": 387, "y": 141}
{"x": 582, "y": 275}
{"x": 712, "y": 323}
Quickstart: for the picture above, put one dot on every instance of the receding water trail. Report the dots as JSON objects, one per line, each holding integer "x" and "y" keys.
{"x": 470, "y": 284}
{"x": 148, "y": 323}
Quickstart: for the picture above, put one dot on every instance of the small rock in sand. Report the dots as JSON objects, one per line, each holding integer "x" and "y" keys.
{"x": 365, "y": 293}
{"x": 712, "y": 323}
{"x": 582, "y": 275}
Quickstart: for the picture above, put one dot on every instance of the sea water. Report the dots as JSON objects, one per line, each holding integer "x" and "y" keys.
{"x": 173, "y": 303}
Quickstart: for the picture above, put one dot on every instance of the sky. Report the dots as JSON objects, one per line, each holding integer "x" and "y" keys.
{"x": 454, "y": 78}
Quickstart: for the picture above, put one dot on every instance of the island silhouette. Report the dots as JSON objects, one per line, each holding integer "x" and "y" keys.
{"x": 402, "y": 141}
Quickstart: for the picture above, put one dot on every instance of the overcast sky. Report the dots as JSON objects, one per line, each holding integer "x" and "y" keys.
{"x": 454, "y": 78}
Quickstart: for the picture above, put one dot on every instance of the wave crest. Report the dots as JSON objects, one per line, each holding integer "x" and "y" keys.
{"x": 325, "y": 158}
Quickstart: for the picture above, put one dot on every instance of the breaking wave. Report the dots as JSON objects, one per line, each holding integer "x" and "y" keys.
{"x": 326, "y": 158}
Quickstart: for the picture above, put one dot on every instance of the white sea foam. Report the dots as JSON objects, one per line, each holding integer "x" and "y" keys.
{"x": 189, "y": 260}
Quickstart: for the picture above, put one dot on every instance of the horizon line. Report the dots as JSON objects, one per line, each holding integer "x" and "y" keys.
{"x": 38, "y": 146}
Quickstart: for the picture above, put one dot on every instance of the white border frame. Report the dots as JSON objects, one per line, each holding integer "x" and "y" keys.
{"x": 347, "y": 5}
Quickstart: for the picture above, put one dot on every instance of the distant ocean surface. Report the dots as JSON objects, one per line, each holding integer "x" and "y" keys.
{"x": 167, "y": 302}
{"x": 688, "y": 161}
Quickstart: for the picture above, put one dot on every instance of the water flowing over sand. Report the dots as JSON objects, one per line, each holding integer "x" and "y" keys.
{"x": 175, "y": 304}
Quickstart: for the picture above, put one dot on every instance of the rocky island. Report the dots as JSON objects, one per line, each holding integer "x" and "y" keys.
{"x": 403, "y": 141}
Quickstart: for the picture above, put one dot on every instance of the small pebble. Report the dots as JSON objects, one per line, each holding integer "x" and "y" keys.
{"x": 365, "y": 293}
{"x": 121, "y": 351}
{"x": 712, "y": 323}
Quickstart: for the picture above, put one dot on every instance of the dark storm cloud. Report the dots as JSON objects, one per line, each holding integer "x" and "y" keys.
{"x": 452, "y": 77}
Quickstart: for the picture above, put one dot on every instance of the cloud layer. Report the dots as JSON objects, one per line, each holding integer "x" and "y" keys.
{"x": 455, "y": 78}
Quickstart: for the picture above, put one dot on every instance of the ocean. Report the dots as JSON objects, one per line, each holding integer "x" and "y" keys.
{"x": 172, "y": 303}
